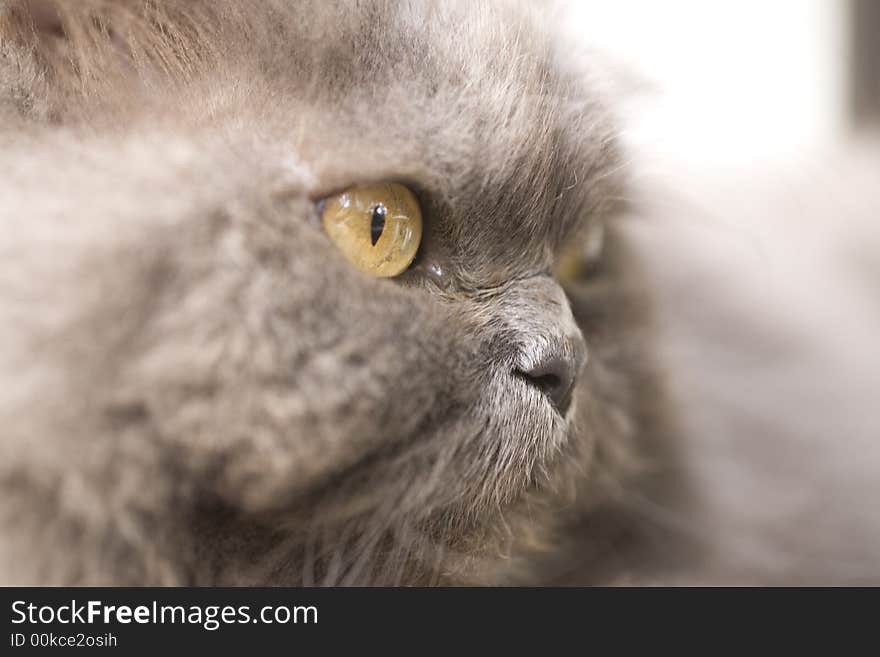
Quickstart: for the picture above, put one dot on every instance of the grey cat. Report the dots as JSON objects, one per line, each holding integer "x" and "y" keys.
{"x": 197, "y": 387}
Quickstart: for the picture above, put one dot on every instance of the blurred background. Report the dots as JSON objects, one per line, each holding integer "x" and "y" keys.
{"x": 754, "y": 159}
{"x": 735, "y": 81}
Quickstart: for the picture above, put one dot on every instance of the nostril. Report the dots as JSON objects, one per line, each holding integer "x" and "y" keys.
{"x": 555, "y": 377}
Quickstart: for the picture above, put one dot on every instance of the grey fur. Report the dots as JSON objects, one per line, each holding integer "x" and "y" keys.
{"x": 195, "y": 386}
{"x": 198, "y": 389}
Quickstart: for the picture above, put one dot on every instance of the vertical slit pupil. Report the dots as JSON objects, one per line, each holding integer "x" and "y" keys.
{"x": 377, "y": 223}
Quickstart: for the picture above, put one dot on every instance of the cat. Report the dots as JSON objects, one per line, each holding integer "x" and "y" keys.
{"x": 198, "y": 388}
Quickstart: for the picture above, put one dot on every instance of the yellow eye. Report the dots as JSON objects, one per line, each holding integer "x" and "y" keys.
{"x": 377, "y": 227}
{"x": 580, "y": 257}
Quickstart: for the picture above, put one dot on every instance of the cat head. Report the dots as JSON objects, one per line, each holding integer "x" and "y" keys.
{"x": 271, "y": 380}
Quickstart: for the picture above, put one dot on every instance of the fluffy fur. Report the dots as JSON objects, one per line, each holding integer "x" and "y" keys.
{"x": 198, "y": 389}
{"x": 195, "y": 386}
{"x": 766, "y": 284}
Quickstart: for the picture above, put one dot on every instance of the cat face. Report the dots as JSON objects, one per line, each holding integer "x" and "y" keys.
{"x": 336, "y": 412}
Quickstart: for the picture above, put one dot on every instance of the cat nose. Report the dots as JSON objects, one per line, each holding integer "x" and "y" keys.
{"x": 555, "y": 372}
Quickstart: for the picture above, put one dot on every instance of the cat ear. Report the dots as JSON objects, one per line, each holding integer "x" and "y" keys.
{"x": 93, "y": 40}
{"x": 43, "y": 16}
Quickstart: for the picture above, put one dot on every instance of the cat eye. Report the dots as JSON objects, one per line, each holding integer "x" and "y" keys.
{"x": 581, "y": 255}
{"x": 377, "y": 227}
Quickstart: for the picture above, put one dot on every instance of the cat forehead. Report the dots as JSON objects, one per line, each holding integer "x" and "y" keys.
{"x": 476, "y": 103}
{"x": 471, "y": 101}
